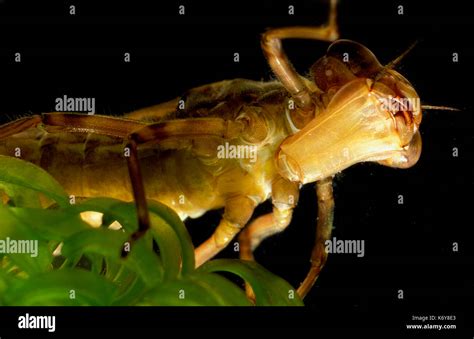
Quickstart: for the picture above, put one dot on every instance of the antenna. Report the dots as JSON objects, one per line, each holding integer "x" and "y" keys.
{"x": 392, "y": 64}
{"x": 439, "y": 108}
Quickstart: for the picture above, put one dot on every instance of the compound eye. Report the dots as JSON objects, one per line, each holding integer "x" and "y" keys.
{"x": 358, "y": 58}
{"x": 329, "y": 72}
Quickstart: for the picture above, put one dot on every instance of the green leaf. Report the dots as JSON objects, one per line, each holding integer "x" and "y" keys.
{"x": 164, "y": 234}
{"x": 132, "y": 292}
{"x": 109, "y": 243}
{"x": 11, "y": 227}
{"x": 17, "y": 175}
{"x": 182, "y": 292}
{"x": 112, "y": 209}
{"x": 145, "y": 263}
{"x": 269, "y": 289}
{"x": 55, "y": 288}
{"x": 12, "y": 230}
{"x": 169, "y": 244}
{"x": 54, "y": 224}
{"x": 105, "y": 242}
{"x": 172, "y": 219}
{"x": 225, "y": 291}
{"x": 33, "y": 265}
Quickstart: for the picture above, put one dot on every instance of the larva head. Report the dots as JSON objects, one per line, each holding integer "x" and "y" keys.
{"x": 372, "y": 113}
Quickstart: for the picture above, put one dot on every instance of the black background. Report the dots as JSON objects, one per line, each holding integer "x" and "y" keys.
{"x": 407, "y": 247}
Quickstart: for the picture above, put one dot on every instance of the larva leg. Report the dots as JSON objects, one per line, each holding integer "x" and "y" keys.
{"x": 19, "y": 125}
{"x": 323, "y": 232}
{"x": 81, "y": 123}
{"x": 237, "y": 213}
{"x": 284, "y": 198}
{"x": 138, "y": 193}
{"x": 74, "y": 122}
{"x": 154, "y": 113}
{"x": 188, "y": 128}
{"x": 281, "y": 66}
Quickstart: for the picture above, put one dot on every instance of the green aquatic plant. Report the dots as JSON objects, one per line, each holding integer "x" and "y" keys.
{"x": 69, "y": 262}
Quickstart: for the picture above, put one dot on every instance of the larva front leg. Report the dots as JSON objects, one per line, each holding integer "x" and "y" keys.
{"x": 19, "y": 125}
{"x": 155, "y": 112}
{"x": 324, "y": 224}
{"x": 272, "y": 47}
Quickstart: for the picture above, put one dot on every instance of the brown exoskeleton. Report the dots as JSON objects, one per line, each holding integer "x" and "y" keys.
{"x": 302, "y": 130}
